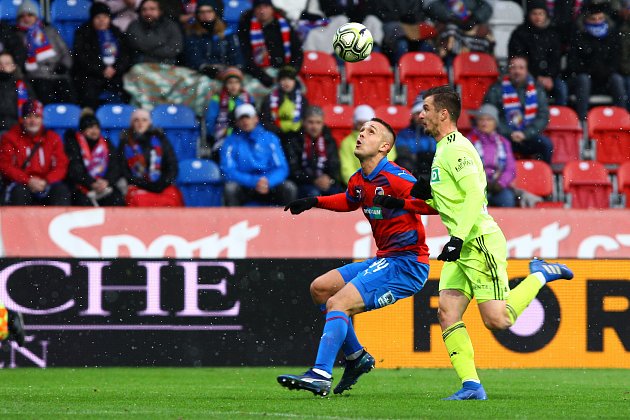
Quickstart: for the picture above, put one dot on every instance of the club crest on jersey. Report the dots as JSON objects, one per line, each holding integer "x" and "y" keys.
{"x": 462, "y": 163}
{"x": 379, "y": 191}
{"x": 435, "y": 175}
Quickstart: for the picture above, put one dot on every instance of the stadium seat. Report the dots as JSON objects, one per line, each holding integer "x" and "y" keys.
{"x": 566, "y": 134}
{"x": 9, "y": 8}
{"x": 506, "y": 16}
{"x": 67, "y": 16}
{"x": 200, "y": 182}
{"x": 586, "y": 184}
{"x": 474, "y": 73}
{"x": 623, "y": 182}
{"x": 180, "y": 126}
{"x": 339, "y": 119}
{"x": 397, "y": 116}
{"x": 536, "y": 177}
{"x": 370, "y": 80}
{"x": 60, "y": 117}
{"x": 321, "y": 77}
{"x": 609, "y": 130}
{"x": 232, "y": 11}
{"x": 114, "y": 118}
{"x": 418, "y": 71}
{"x": 464, "y": 123}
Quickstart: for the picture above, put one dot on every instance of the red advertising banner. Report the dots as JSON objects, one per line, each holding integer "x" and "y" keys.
{"x": 272, "y": 233}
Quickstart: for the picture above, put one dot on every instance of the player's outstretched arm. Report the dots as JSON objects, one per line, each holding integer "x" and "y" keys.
{"x": 335, "y": 202}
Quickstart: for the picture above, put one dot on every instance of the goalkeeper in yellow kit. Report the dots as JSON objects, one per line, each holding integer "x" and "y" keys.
{"x": 476, "y": 254}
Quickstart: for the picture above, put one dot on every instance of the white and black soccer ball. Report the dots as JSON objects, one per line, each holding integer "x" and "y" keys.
{"x": 353, "y": 42}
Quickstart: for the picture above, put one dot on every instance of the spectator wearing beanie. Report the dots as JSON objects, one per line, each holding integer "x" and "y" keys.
{"x": 33, "y": 163}
{"x": 48, "y": 61}
{"x": 14, "y": 91}
{"x": 209, "y": 46}
{"x": 93, "y": 169}
{"x": 283, "y": 109}
{"x": 537, "y": 40}
{"x": 123, "y": 12}
{"x": 101, "y": 58}
{"x": 268, "y": 42}
{"x": 154, "y": 38}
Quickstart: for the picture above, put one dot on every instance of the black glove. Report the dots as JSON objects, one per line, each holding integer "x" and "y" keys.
{"x": 451, "y": 250}
{"x": 389, "y": 202}
{"x": 422, "y": 188}
{"x": 303, "y": 204}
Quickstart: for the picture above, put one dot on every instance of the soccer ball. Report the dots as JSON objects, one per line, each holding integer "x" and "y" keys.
{"x": 353, "y": 42}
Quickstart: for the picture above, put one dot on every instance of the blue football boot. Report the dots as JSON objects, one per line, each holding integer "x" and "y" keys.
{"x": 468, "y": 394}
{"x": 309, "y": 381}
{"x": 550, "y": 271}
{"x": 354, "y": 369}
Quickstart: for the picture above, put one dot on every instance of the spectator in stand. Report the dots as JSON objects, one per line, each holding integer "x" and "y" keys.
{"x": 154, "y": 38}
{"x": 220, "y": 121}
{"x": 94, "y": 168}
{"x": 123, "y": 12}
{"x": 622, "y": 8}
{"x": 209, "y": 46}
{"x": 14, "y": 91}
{"x": 283, "y": 109}
{"x": 541, "y": 43}
{"x": 149, "y": 164}
{"x": 313, "y": 157}
{"x": 48, "y": 60}
{"x": 523, "y": 111}
{"x": 101, "y": 57}
{"x": 33, "y": 164}
{"x": 348, "y": 161}
{"x": 268, "y": 42}
{"x": 563, "y": 15}
{"x": 254, "y": 164}
{"x": 415, "y": 148}
{"x": 462, "y": 26}
{"x": 11, "y": 43}
{"x": 496, "y": 154}
{"x": 594, "y": 58}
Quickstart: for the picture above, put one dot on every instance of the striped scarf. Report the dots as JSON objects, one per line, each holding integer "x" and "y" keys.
{"x": 95, "y": 160}
{"x": 274, "y": 104}
{"x": 138, "y": 164}
{"x": 480, "y": 140}
{"x": 108, "y": 45}
{"x": 38, "y": 47}
{"x": 22, "y": 95}
{"x": 257, "y": 40}
{"x": 319, "y": 144}
{"x": 226, "y": 105}
{"x": 516, "y": 117}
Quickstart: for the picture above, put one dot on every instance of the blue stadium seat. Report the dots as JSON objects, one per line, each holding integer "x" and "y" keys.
{"x": 200, "y": 182}
{"x": 59, "y": 117}
{"x": 114, "y": 118}
{"x": 9, "y": 8}
{"x": 232, "y": 11}
{"x": 67, "y": 16}
{"x": 180, "y": 126}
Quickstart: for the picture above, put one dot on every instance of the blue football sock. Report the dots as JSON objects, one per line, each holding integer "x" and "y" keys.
{"x": 335, "y": 332}
{"x": 351, "y": 344}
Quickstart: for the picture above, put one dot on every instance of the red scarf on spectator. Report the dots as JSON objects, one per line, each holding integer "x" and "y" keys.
{"x": 257, "y": 40}
{"x": 307, "y": 154}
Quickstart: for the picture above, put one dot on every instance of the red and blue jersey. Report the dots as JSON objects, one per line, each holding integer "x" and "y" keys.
{"x": 395, "y": 230}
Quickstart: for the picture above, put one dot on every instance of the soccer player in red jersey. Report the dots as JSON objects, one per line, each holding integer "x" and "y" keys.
{"x": 399, "y": 270}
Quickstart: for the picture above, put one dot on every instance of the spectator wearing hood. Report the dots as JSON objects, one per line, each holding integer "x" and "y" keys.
{"x": 15, "y": 90}
{"x": 101, "y": 57}
{"x": 33, "y": 163}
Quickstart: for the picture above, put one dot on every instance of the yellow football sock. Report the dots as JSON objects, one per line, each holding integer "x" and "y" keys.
{"x": 461, "y": 351}
{"x": 522, "y": 295}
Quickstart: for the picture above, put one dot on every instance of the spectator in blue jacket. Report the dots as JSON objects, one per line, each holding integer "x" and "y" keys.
{"x": 209, "y": 46}
{"x": 415, "y": 148}
{"x": 254, "y": 164}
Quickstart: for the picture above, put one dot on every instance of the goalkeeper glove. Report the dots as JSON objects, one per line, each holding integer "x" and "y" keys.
{"x": 303, "y": 204}
{"x": 451, "y": 250}
{"x": 389, "y": 202}
{"x": 422, "y": 188}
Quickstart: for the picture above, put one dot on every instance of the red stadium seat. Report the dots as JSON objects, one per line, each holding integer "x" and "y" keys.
{"x": 623, "y": 181}
{"x": 587, "y": 184}
{"x": 371, "y": 80}
{"x": 464, "y": 123}
{"x": 396, "y": 116}
{"x": 339, "y": 119}
{"x": 419, "y": 71}
{"x": 321, "y": 77}
{"x": 474, "y": 73}
{"x": 609, "y": 129}
{"x": 536, "y": 177}
{"x": 565, "y": 133}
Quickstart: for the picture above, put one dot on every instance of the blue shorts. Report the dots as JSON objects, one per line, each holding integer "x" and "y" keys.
{"x": 382, "y": 281}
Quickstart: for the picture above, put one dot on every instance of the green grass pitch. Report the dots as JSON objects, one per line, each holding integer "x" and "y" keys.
{"x": 227, "y": 393}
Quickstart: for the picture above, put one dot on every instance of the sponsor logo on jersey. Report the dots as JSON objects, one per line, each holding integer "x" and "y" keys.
{"x": 435, "y": 175}
{"x": 358, "y": 193}
{"x": 386, "y": 299}
{"x": 373, "y": 212}
{"x": 462, "y": 163}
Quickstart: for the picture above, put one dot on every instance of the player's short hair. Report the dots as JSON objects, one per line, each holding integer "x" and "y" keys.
{"x": 388, "y": 127}
{"x": 445, "y": 97}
